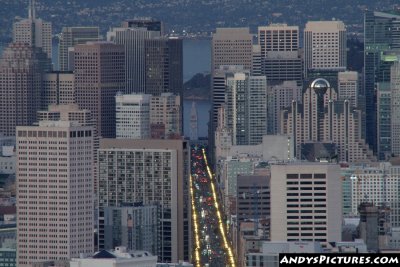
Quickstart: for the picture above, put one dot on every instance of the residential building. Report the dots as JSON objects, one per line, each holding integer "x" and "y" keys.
{"x": 55, "y": 191}
{"x": 154, "y": 172}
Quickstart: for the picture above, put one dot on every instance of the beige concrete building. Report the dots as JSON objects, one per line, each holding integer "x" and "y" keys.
{"x": 349, "y": 87}
{"x": 166, "y": 116}
{"x": 278, "y": 37}
{"x": 325, "y": 45}
{"x": 304, "y": 202}
{"x": 231, "y": 46}
{"x": 99, "y": 74}
{"x": 55, "y": 191}
{"x": 151, "y": 172}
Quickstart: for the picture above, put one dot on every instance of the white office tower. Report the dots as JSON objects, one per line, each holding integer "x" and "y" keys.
{"x": 395, "y": 106}
{"x": 133, "y": 40}
{"x": 33, "y": 31}
{"x": 55, "y": 191}
{"x": 324, "y": 45}
{"x": 246, "y": 108}
{"x": 133, "y": 116}
{"x": 304, "y": 202}
{"x": 348, "y": 87}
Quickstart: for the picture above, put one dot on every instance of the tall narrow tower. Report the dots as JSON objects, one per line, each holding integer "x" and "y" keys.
{"x": 193, "y": 122}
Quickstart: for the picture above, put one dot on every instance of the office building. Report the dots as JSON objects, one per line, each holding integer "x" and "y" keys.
{"x": 69, "y": 112}
{"x": 58, "y": 89}
{"x": 325, "y": 127}
{"x": 120, "y": 257}
{"x": 297, "y": 214}
{"x": 133, "y": 226}
{"x": 349, "y": 87}
{"x": 246, "y": 108}
{"x": 154, "y": 172}
{"x": 33, "y": 31}
{"x": 281, "y": 60}
{"x": 231, "y": 46}
{"x": 166, "y": 116}
{"x": 55, "y": 191}
{"x": 324, "y": 45}
{"x": 148, "y": 23}
{"x": 71, "y": 36}
{"x": 21, "y": 71}
{"x": 384, "y": 124}
{"x": 395, "y": 108}
{"x": 99, "y": 74}
{"x": 163, "y": 66}
{"x": 193, "y": 123}
{"x": 133, "y": 41}
{"x": 133, "y": 116}
{"x": 379, "y": 38}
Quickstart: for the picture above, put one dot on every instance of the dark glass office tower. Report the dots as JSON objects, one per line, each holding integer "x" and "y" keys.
{"x": 382, "y": 34}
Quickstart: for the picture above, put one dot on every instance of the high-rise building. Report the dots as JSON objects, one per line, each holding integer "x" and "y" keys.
{"x": 304, "y": 199}
{"x": 133, "y": 41}
{"x": 349, "y": 87}
{"x": 145, "y": 22}
{"x": 21, "y": 69}
{"x": 66, "y": 112}
{"x": 395, "y": 108}
{"x": 281, "y": 60}
{"x": 193, "y": 122}
{"x": 33, "y": 31}
{"x": 133, "y": 116}
{"x": 71, "y": 36}
{"x": 166, "y": 116}
{"x": 231, "y": 46}
{"x": 384, "y": 125}
{"x": 379, "y": 37}
{"x": 163, "y": 66}
{"x": 246, "y": 105}
{"x": 55, "y": 191}
{"x": 58, "y": 88}
{"x": 151, "y": 172}
{"x": 323, "y": 120}
{"x": 324, "y": 45}
{"x": 99, "y": 74}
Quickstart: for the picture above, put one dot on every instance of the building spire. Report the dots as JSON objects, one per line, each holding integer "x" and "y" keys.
{"x": 31, "y": 9}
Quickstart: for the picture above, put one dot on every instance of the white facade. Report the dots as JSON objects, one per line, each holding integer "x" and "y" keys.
{"x": 55, "y": 191}
{"x": 133, "y": 116}
{"x": 324, "y": 45}
{"x": 348, "y": 87}
{"x": 304, "y": 202}
{"x": 120, "y": 257}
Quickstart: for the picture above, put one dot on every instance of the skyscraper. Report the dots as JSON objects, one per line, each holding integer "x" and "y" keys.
{"x": 349, "y": 87}
{"x": 152, "y": 172}
{"x": 99, "y": 74}
{"x": 133, "y": 41}
{"x": 58, "y": 88}
{"x": 133, "y": 116}
{"x": 33, "y": 31}
{"x": 246, "y": 105}
{"x": 395, "y": 107}
{"x": 163, "y": 66}
{"x": 55, "y": 191}
{"x": 324, "y": 45}
{"x": 281, "y": 60}
{"x": 380, "y": 36}
{"x": 231, "y": 46}
{"x": 71, "y": 36}
{"x": 145, "y": 22}
{"x": 21, "y": 69}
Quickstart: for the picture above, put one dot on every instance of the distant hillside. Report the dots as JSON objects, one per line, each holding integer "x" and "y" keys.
{"x": 198, "y": 87}
{"x": 193, "y": 16}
